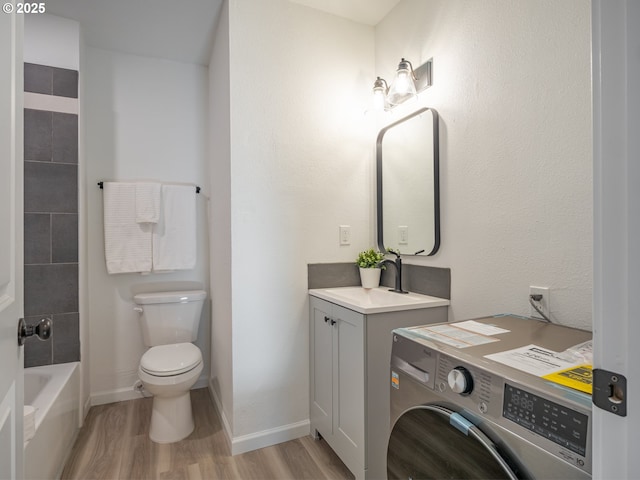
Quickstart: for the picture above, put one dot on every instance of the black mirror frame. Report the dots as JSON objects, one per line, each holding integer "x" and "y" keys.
{"x": 436, "y": 179}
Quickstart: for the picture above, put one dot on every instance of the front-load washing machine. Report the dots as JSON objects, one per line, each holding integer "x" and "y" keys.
{"x": 468, "y": 401}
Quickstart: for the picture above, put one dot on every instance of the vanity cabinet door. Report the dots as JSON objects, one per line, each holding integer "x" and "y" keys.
{"x": 321, "y": 414}
{"x": 348, "y": 385}
{"x": 337, "y": 384}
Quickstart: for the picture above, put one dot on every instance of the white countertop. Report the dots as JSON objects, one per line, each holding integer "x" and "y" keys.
{"x": 376, "y": 300}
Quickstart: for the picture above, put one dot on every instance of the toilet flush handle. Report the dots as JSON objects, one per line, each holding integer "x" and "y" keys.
{"x": 138, "y": 309}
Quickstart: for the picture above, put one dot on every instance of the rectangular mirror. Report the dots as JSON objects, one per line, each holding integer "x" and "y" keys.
{"x": 408, "y": 195}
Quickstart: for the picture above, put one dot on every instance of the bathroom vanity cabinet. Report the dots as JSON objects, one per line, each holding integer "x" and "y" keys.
{"x": 350, "y": 380}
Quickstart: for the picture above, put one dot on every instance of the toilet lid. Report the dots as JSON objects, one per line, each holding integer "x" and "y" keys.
{"x": 168, "y": 360}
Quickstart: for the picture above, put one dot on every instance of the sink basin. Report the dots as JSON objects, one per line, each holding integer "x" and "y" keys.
{"x": 376, "y": 300}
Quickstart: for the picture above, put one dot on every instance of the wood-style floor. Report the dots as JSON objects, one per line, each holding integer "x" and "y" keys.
{"x": 114, "y": 444}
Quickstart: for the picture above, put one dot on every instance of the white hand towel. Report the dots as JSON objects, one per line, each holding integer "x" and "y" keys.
{"x": 127, "y": 244}
{"x": 147, "y": 202}
{"x": 174, "y": 237}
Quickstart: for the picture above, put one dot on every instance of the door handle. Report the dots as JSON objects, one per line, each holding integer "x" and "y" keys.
{"x": 42, "y": 330}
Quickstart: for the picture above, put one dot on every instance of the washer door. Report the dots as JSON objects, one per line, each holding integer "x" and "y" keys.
{"x": 433, "y": 442}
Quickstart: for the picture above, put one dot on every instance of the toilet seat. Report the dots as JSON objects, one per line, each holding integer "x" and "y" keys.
{"x": 170, "y": 360}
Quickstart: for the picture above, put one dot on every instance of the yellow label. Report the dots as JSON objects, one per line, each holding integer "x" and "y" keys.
{"x": 395, "y": 380}
{"x": 579, "y": 377}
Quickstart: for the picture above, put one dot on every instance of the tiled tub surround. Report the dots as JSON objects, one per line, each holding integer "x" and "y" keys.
{"x": 51, "y": 212}
{"x": 60, "y": 82}
{"x": 415, "y": 278}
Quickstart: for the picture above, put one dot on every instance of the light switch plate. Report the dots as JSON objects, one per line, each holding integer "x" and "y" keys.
{"x": 403, "y": 235}
{"x": 345, "y": 234}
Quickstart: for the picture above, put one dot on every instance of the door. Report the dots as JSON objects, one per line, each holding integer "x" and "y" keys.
{"x": 616, "y": 179}
{"x": 11, "y": 258}
{"x": 348, "y": 386}
{"x": 322, "y": 367}
{"x": 432, "y": 442}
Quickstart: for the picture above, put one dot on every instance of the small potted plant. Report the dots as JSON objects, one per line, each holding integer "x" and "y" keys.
{"x": 370, "y": 268}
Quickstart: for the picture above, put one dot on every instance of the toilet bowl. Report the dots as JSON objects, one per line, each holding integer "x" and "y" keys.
{"x": 168, "y": 372}
{"x": 172, "y": 364}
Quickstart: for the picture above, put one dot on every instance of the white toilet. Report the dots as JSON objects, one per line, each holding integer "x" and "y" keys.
{"x": 172, "y": 365}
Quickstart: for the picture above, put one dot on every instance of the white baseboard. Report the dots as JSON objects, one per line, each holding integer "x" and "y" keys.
{"x": 272, "y": 436}
{"x": 112, "y": 396}
{"x": 128, "y": 393}
{"x": 226, "y": 427}
{"x": 85, "y": 411}
{"x": 264, "y": 438}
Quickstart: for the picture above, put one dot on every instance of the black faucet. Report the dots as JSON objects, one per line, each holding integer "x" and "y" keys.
{"x": 398, "y": 265}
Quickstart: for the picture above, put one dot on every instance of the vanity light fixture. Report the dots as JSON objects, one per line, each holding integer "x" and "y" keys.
{"x": 406, "y": 84}
{"x": 380, "y": 89}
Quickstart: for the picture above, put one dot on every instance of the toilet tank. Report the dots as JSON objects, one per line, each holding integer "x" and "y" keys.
{"x": 170, "y": 317}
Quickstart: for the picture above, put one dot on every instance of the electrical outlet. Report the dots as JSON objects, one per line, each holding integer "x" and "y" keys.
{"x": 544, "y": 304}
{"x": 345, "y": 234}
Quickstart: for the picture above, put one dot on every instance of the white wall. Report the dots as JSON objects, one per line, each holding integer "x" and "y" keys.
{"x": 52, "y": 41}
{"x": 300, "y": 166}
{"x": 512, "y": 84}
{"x": 220, "y": 225}
{"x": 145, "y": 119}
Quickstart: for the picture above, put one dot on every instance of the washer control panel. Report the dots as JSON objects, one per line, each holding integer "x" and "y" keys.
{"x": 467, "y": 381}
{"x": 557, "y": 423}
{"x": 460, "y": 381}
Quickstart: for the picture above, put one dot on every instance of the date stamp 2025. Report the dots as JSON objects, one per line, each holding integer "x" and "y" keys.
{"x": 32, "y": 7}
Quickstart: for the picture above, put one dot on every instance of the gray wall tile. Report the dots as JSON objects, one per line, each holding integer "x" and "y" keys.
{"x": 64, "y": 238}
{"x": 415, "y": 278}
{"x": 50, "y": 187}
{"x": 36, "y": 351}
{"x": 421, "y": 279}
{"x": 37, "y": 238}
{"x": 38, "y": 78}
{"x": 65, "y": 82}
{"x": 327, "y": 275}
{"x": 50, "y": 288}
{"x": 429, "y": 280}
{"x": 65, "y": 138}
{"x": 66, "y": 338}
{"x": 51, "y": 220}
{"x": 38, "y": 132}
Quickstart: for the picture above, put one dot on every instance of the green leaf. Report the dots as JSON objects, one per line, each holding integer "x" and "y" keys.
{"x": 370, "y": 259}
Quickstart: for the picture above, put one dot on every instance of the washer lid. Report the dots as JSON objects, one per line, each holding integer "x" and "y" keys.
{"x": 169, "y": 360}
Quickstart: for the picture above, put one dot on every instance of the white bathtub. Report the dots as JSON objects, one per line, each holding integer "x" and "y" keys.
{"x": 54, "y": 391}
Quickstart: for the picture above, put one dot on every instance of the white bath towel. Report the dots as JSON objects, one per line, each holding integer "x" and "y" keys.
{"x": 127, "y": 244}
{"x": 174, "y": 236}
{"x": 147, "y": 202}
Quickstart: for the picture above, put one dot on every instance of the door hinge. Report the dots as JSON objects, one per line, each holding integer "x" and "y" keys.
{"x": 610, "y": 391}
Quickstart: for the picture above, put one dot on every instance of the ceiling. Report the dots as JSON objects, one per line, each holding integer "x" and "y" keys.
{"x": 179, "y": 30}
{"x": 174, "y": 30}
{"x": 369, "y": 12}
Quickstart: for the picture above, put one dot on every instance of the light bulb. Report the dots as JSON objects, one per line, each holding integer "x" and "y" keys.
{"x": 402, "y": 82}
{"x": 403, "y": 86}
{"x": 379, "y": 94}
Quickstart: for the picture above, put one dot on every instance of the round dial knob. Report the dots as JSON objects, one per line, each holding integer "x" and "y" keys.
{"x": 460, "y": 380}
